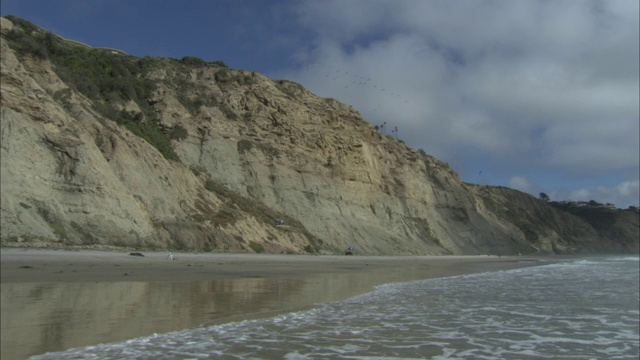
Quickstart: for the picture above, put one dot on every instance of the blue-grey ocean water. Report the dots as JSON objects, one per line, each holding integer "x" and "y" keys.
{"x": 583, "y": 309}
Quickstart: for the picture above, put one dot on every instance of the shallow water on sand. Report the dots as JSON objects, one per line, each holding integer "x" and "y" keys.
{"x": 586, "y": 309}
{"x": 54, "y": 316}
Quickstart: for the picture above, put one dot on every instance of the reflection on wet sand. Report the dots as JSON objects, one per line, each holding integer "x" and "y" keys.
{"x": 44, "y": 317}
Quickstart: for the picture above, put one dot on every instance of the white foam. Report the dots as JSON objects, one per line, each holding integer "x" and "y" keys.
{"x": 626, "y": 258}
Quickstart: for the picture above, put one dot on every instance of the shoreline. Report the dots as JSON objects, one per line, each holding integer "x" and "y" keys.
{"x": 25, "y": 265}
{"x": 95, "y": 296}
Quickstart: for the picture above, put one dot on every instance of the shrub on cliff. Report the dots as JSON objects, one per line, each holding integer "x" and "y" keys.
{"x": 150, "y": 132}
{"x": 25, "y": 39}
{"x": 193, "y": 61}
{"x": 103, "y": 77}
{"x": 178, "y": 133}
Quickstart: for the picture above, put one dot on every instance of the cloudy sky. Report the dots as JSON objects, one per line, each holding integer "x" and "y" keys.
{"x": 537, "y": 95}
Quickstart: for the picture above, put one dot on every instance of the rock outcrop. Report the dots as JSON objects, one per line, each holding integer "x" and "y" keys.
{"x": 104, "y": 149}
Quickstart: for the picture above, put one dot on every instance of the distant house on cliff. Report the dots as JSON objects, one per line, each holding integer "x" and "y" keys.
{"x": 111, "y": 50}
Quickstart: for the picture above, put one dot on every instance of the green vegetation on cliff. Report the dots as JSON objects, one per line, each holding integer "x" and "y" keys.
{"x": 109, "y": 79}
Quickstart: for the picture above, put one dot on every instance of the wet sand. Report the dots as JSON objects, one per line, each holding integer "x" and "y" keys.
{"x": 52, "y": 300}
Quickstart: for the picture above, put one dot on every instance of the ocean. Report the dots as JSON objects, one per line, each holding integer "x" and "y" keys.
{"x": 579, "y": 309}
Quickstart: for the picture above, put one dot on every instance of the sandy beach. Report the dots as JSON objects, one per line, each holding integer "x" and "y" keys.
{"x": 53, "y": 300}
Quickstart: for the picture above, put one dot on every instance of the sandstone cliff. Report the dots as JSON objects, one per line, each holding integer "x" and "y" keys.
{"x": 105, "y": 149}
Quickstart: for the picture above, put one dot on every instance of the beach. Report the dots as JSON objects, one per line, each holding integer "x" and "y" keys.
{"x": 53, "y": 300}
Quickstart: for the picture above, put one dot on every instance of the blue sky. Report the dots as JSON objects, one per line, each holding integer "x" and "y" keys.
{"x": 541, "y": 96}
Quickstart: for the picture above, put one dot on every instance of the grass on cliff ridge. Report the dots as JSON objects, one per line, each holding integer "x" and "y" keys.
{"x": 109, "y": 80}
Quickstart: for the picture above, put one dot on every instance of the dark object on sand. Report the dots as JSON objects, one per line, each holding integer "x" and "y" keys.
{"x": 136, "y": 254}
{"x": 350, "y": 250}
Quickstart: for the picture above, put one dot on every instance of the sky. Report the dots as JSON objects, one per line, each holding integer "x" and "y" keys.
{"x": 535, "y": 95}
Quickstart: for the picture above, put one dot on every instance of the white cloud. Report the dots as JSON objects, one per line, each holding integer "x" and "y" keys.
{"x": 629, "y": 188}
{"x": 545, "y": 84}
{"x": 622, "y": 195}
{"x": 521, "y": 183}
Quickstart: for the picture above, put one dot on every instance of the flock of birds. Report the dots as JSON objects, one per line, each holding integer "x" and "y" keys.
{"x": 362, "y": 85}
{"x": 365, "y": 90}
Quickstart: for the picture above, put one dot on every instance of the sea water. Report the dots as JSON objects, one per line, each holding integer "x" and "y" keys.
{"x": 582, "y": 309}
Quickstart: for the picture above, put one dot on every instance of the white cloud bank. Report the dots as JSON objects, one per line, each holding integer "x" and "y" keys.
{"x": 541, "y": 86}
{"x": 616, "y": 195}
{"x": 619, "y": 194}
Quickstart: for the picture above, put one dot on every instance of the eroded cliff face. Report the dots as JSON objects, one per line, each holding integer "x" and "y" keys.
{"x": 250, "y": 150}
